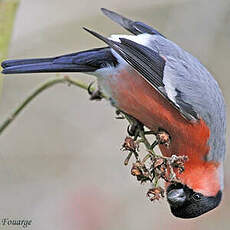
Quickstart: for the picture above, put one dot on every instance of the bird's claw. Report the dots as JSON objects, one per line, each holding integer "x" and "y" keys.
{"x": 94, "y": 94}
{"x": 133, "y": 130}
{"x": 119, "y": 114}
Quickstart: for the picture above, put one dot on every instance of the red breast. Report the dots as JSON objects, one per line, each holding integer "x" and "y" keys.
{"x": 138, "y": 98}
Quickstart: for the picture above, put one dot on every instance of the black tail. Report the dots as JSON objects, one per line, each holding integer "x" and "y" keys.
{"x": 85, "y": 61}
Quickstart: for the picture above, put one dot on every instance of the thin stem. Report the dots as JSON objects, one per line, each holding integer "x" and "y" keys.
{"x": 154, "y": 144}
{"x": 156, "y": 180}
{"x": 150, "y": 133}
{"x": 49, "y": 83}
{"x": 128, "y": 158}
{"x": 145, "y": 141}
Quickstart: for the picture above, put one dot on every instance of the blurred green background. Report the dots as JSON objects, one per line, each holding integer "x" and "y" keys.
{"x": 60, "y": 163}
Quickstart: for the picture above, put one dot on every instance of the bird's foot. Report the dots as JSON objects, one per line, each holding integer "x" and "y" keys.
{"x": 119, "y": 114}
{"x": 135, "y": 128}
{"x": 94, "y": 94}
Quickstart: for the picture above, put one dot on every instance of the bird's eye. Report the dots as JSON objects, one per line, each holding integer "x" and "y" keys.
{"x": 196, "y": 196}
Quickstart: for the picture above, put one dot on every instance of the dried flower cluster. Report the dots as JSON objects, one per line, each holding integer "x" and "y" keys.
{"x": 152, "y": 167}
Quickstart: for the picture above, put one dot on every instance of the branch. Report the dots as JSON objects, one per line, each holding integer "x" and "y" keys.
{"x": 49, "y": 83}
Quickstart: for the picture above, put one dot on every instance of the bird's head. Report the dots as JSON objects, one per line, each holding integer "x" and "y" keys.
{"x": 186, "y": 203}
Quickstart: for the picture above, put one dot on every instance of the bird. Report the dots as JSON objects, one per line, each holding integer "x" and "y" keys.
{"x": 164, "y": 87}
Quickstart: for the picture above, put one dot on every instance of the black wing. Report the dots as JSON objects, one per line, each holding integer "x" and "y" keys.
{"x": 145, "y": 61}
{"x": 132, "y": 26}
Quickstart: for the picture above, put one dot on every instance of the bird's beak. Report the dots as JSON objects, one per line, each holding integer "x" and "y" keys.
{"x": 176, "y": 197}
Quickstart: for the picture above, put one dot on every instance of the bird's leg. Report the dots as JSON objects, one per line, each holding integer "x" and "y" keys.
{"x": 94, "y": 94}
{"x": 134, "y": 128}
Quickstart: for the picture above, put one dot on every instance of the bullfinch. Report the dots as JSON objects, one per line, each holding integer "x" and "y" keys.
{"x": 164, "y": 87}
